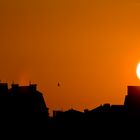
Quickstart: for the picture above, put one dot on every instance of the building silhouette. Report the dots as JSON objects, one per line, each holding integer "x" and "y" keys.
{"x": 23, "y": 111}
{"x": 104, "y": 119}
{"x": 132, "y": 99}
{"x": 21, "y": 99}
{"x": 24, "y": 106}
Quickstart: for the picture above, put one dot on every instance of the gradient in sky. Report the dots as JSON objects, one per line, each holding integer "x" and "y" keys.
{"x": 91, "y": 47}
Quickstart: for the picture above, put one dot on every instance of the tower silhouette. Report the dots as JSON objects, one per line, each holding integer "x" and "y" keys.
{"x": 132, "y": 99}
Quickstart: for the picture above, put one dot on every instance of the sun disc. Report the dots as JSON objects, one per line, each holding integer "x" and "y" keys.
{"x": 138, "y": 70}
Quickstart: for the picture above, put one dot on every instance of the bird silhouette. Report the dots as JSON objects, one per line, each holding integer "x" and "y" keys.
{"x": 58, "y": 84}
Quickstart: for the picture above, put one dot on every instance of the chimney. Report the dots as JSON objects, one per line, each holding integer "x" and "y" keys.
{"x": 33, "y": 87}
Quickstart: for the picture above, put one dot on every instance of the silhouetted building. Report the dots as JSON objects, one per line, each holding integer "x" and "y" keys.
{"x": 132, "y": 100}
{"x": 22, "y": 110}
{"x": 21, "y": 99}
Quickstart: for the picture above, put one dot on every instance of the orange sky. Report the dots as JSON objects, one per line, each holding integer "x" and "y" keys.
{"x": 91, "y": 47}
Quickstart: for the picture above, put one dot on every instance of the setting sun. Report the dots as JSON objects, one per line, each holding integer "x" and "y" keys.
{"x": 138, "y": 70}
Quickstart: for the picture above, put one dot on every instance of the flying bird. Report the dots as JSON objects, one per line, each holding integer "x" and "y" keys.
{"x": 58, "y": 84}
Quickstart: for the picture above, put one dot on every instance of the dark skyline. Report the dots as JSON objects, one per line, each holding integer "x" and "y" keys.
{"x": 24, "y": 108}
{"x": 27, "y": 99}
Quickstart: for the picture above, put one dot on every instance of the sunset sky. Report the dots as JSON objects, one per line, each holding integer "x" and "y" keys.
{"x": 91, "y": 47}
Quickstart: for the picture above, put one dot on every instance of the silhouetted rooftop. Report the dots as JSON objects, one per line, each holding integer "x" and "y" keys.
{"x": 21, "y": 99}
